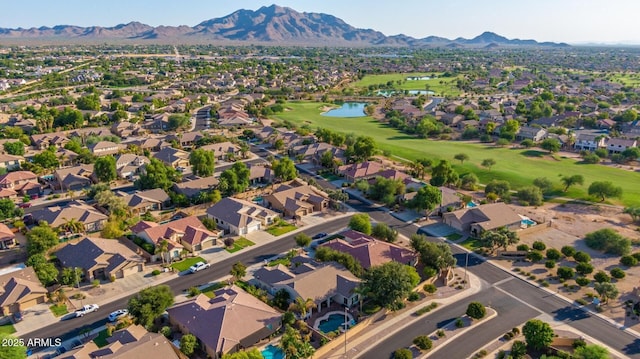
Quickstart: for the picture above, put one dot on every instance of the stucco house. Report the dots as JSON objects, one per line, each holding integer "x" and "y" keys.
{"x": 20, "y": 290}
{"x": 237, "y": 216}
{"x": 476, "y": 220}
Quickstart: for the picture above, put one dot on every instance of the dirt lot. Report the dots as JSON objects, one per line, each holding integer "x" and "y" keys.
{"x": 566, "y": 224}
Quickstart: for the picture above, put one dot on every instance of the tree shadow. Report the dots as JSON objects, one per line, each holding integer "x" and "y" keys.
{"x": 533, "y": 153}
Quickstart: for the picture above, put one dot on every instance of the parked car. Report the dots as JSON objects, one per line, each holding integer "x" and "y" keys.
{"x": 198, "y": 267}
{"x": 24, "y": 205}
{"x": 118, "y": 314}
{"x": 86, "y": 309}
{"x": 320, "y": 235}
{"x": 17, "y": 317}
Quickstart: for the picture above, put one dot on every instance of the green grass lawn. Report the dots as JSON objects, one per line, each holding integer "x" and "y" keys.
{"x": 627, "y": 79}
{"x": 208, "y": 291}
{"x": 284, "y": 261}
{"x": 7, "y": 329}
{"x": 471, "y": 244}
{"x": 330, "y": 176}
{"x": 515, "y": 165}
{"x": 59, "y": 309}
{"x": 280, "y": 229}
{"x": 186, "y": 263}
{"x": 454, "y": 236}
{"x": 239, "y": 244}
{"x": 441, "y": 86}
{"x": 101, "y": 339}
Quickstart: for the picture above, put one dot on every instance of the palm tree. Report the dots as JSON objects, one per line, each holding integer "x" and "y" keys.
{"x": 302, "y": 306}
{"x": 162, "y": 248}
{"x": 73, "y": 225}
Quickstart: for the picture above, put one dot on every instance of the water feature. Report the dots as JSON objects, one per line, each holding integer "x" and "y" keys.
{"x": 387, "y": 93}
{"x": 348, "y": 109}
{"x": 471, "y": 204}
{"x": 333, "y": 321}
{"x": 271, "y": 352}
{"x": 528, "y": 222}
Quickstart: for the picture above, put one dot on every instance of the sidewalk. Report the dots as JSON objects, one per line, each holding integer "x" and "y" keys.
{"x": 396, "y": 321}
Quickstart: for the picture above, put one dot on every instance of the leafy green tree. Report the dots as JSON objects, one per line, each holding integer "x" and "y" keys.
{"x": 361, "y": 222}
{"x": 179, "y": 122}
{"x": 617, "y": 273}
{"x": 582, "y": 257}
{"x": 389, "y": 284}
{"x": 302, "y": 240}
{"x": 461, "y": 157}
{"x": 553, "y": 254}
{"x": 551, "y": 144}
{"x": 604, "y": 189}
{"x": 284, "y": 169}
{"x": 634, "y": 212}
{"x": 601, "y": 277}
{"x": 543, "y": 183}
{"x": 326, "y": 254}
{"x": 244, "y": 354}
{"x": 47, "y": 159}
{"x": 568, "y": 251}
{"x": 235, "y": 179}
{"x": 608, "y": 241}
{"x": 469, "y": 181}
{"x": 383, "y": 232}
{"x": 238, "y": 271}
{"x": 40, "y": 238}
{"x": 518, "y": 349}
{"x": 591, "y": 351}
{"x": 443, "y": 174}
{"x": 606, "y": 291}
{"x": 363, "y": 148}
{"x": 105, "y": 168}
{"x": 584, "y": 268}
{"x": 435, "y": 255}
{"x": 281, "y": 299}
{"x": 70, "y": 276}
{"x": 150, "y": 303}
{"x": 14, "y": 148}
{"x": 157, "y": 175}
{"x": 476, "y": 310}
{"x": 628, "y": 261}
{"x": 402, "y": 353}
{"x": 501, "y": 188}
{"x": 565, "y": 272}
{"x": 527, "y": 143}
{"x": 294, "y": 345}
{"x": 89, "y": 103}
{"x": 488, "y": 163}
{"x": 426, "y": 199}
{"x": 569, "y": 181}
{"x": 386, "y": 190}
{"x": 188, "y": 344}
{"x": 8, "y": 209}
{"x": 531, "y": 195}
{"x": 202, "y": 162}
{"x": 423, "y": 342}
{"x": 501, "y": 237}
{"x": 538, "y": 334}
{"x": 46, "y": 271}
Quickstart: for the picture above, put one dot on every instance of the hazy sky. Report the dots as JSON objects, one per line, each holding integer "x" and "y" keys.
{"x": 572, "y": 21}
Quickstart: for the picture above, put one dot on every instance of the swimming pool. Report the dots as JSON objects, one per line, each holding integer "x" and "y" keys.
{"x": 333, "y": 321}
{"x": 528, "y": 222}
{"x": 471, "y": 204}
{"x": 271, "y": 352}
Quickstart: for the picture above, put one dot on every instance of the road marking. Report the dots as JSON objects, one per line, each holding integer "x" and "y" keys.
{"x": 520, "y": 300}
{"x": 502, "y": 281}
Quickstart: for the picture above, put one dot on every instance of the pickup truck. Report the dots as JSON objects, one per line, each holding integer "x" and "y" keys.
{"x": 86, "y": 309}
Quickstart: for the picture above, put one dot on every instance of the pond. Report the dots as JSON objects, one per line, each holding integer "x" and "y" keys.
{"x": 348, "y": 109}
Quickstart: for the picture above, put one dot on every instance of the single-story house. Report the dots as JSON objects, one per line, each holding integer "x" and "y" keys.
{"x": 192, "y": 188}
{"x": 106, "y": 148}
{"x": 7, "y": 237}
{"x": 56, "y": 216}
{"x": 74, "y": 178}
{"x": 100, "y": 258}
{"x": 188, "y": 233}
{"x": 297, "y": 199}
{"x": 173, "y": 157}
{"x": 224, "y": 150}
{"x": 237, "y": 216}
{"x": 487, "y": 217}
{"x": 22, "y": 182}
{"x": 358, "y": 171}
{"x": 150, "y": 200}
{"x": 230, "y": 321}
{"x": 20, "y": 290}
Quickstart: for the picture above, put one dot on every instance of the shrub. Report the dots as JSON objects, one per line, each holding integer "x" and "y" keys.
{"x": 430, "y": 288}
{"x": 565, "y": 273}
{"x": 636, "y": 255}
{"x": 95, "y": 283}
{"x": 413, "y": 296}
{"x": 459, "y": 323}
{"x": 476, "y": 310}
{"x": 534, "y": 256}
{"x": 608, "y": 241}
{"x": 112, "y": 278}
{"x": 582, "y": 257}
{"x": 584, "y": 268}
{"x": 582, "y": 281}
{"x": 617, "y": 273}
{"x": 602, "y": 277}
{"x": 429, "y": 272}
{"x": 537, "y": 245}
{"x": 579, "y": 343}
{"x": 581, "y": 301}
{"x": 423, "y": 342}
{"x": 166, "y": 331}
{"x": 193, "y": 291}
{"x": 553, "y": 254}
{"x": 501, "y": 354}
{"x": 402, "y": 353}
{"x": 440, "y": 333}
{"x": 155, "y": 272}
{"x": 515, "y": 330}
{"x": 522, "y": 247}
{"x": 628, "y": 261}
{"x": 550, "y": 263}
{"x": 228, "y": 242}
{"x": 568, "y": 251}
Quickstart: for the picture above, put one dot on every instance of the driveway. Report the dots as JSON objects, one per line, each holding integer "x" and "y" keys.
{"x": 437, "y": 230}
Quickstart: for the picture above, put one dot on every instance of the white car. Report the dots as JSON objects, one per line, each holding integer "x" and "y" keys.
{"x": 198, "y": 267}
{"x": 118, "y": 314}
{"x": 86, "y": 309}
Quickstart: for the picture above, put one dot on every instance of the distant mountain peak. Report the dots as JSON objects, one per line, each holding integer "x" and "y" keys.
{"x": 271, "y": 24}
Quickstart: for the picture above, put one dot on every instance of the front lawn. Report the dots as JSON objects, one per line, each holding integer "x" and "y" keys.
{"x": 239, "y": 244}
{"x": 280, "y": 229}
{"x": 186, "y": 263}
{"x": 7, "y": 329}
{"x": 59, "y": 309}
{"x": 208, "y": 291}
{"x": 472, "y": 244}
{"x": 453, "y": 236}
{"x": 101, "y": 339}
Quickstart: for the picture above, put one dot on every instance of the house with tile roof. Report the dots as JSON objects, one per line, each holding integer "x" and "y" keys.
{"x": 358, "y": 171}
{"x": 239, "y": 217}
{"x": 7, "y": 237}
{"x": 92, "y": 219}
{"x": 74, "y": 178}
{"x": 230, "y": 321}
{"x": 223, "y": 151}
{"x": 297, "y": 199}
{"x": 370, "y": 251}
{"x": 20, "y": 290}
{"x": 22, "y": 182}
{"x": 619, "y": 145}
{"x": 173, "y": 157}
{"x": 487, "y": 217}
{"x": 10, "y": 162}
{"x": 191, "y": 188}
{"x": 324, "y": 283}
{"x": 100, "y": 258}
{"x": 106, "y": 148}
{"x": 144, "y": 201}
{"x": 188, "y": 233}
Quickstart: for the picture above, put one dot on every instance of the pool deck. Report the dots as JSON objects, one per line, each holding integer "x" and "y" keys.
{"x": 326, "y": 316}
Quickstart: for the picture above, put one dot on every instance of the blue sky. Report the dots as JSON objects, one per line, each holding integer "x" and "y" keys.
{"x": 573, "y": 21}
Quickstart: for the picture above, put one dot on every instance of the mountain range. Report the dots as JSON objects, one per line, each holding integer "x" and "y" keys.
{"x": 268, "y": 25}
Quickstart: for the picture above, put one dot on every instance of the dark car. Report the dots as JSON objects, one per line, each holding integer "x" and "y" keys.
{"x": 320, "y": 235}
{"x": 17, "y": 317}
